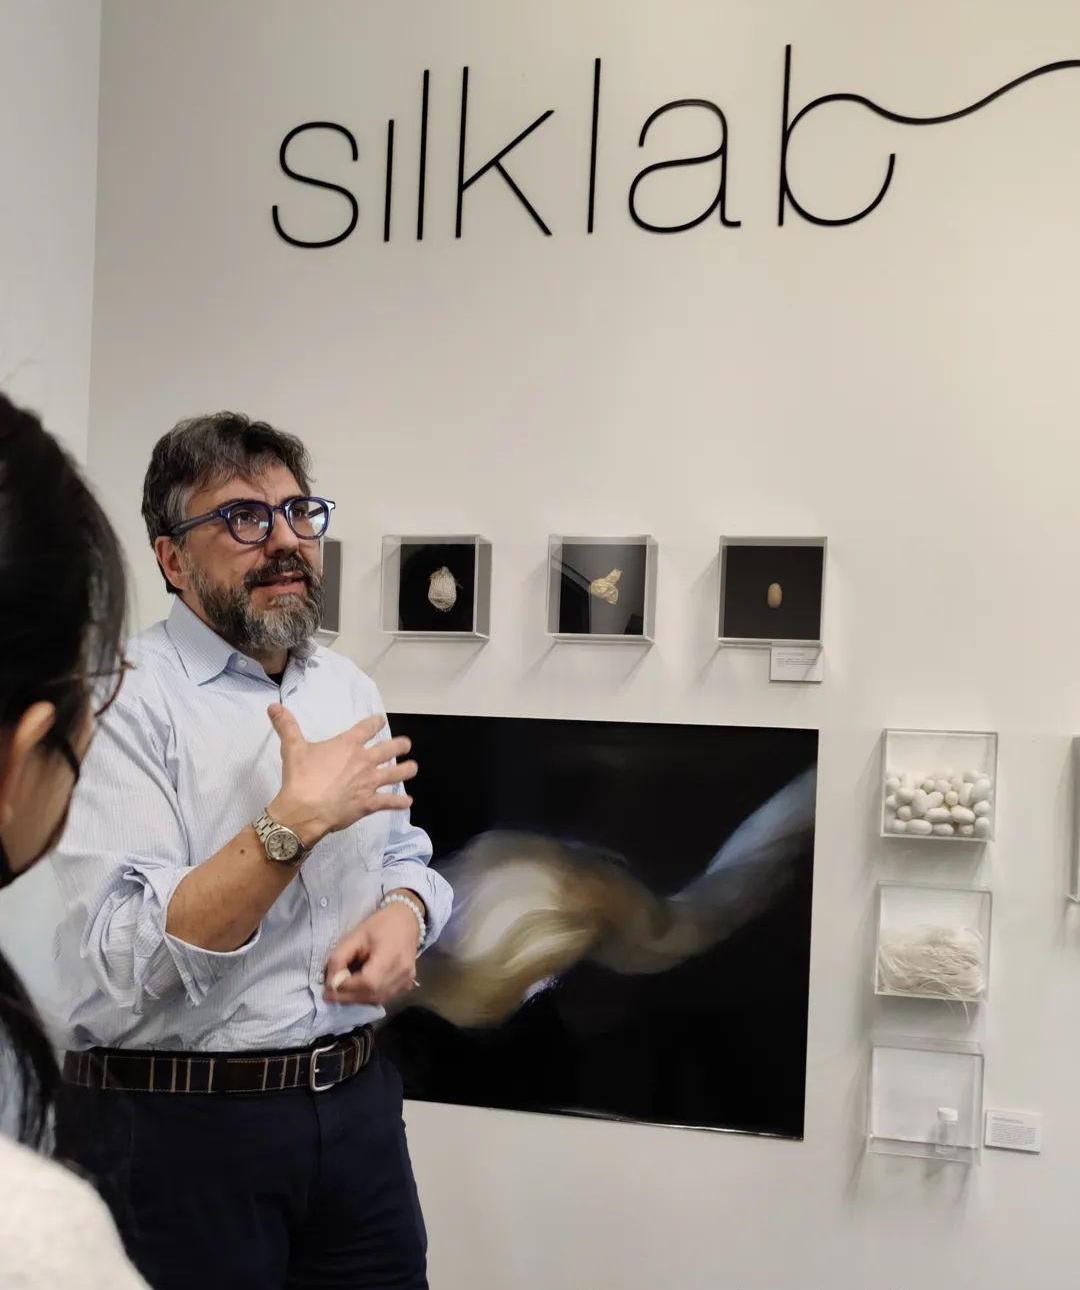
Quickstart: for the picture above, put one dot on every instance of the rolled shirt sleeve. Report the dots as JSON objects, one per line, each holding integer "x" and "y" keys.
{"x": 123, "y": 854}
{"x": 408, "y": 853}
{"x": 406, "y": 864}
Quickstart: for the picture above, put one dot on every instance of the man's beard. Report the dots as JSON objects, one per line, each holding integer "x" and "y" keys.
{"x": 285, "y": 624}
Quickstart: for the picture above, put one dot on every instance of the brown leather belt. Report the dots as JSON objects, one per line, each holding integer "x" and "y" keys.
{"x": 318, "y": 1068}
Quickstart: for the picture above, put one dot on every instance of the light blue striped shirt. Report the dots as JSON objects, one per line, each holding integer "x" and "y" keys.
{"x": 181, "y": 762}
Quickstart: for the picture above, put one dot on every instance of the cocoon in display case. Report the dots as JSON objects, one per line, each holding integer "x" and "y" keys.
{"x": 939, "y": 785}
{"x": 602, "y": 589}
{"x": 772, "y": 591}
{"x": 437, "y": 587}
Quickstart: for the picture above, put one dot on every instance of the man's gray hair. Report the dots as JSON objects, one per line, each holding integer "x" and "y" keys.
{"x": 204, "y": 451}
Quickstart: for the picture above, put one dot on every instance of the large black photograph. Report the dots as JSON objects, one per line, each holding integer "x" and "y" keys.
{"x": 631, "y": 929}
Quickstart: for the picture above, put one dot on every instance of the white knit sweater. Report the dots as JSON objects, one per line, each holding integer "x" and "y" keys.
{"x": 55, "y": 1231}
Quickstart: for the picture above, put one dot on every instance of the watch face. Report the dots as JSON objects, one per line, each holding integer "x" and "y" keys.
{"x": 282, "y": 845}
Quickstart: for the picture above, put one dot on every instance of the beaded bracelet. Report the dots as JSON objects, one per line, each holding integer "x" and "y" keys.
{"x": 399, "y": 898}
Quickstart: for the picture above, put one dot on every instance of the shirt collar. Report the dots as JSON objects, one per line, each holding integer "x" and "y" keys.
{"x": 203, "y": 652}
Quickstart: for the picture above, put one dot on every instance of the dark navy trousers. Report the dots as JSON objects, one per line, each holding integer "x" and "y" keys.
{"x": 282, "y": 1191}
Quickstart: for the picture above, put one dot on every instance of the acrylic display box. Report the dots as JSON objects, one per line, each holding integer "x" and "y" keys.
{"x": 330, "y": 622}
{"x": 939, "y": 785}
{"x": 1074, "y": 876}
{"x": 602, "y": 589}
{"x": 772, "y": 590}
{"x": 926, "y": 1099}
{"x": 437, "y": 588}
{"x": 933, "y": 942}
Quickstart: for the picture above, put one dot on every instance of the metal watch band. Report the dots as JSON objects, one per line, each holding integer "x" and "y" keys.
{"x": 264, "y": 826}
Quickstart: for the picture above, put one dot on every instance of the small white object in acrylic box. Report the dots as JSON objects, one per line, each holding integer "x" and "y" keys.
{"x": 926, "y": 1099}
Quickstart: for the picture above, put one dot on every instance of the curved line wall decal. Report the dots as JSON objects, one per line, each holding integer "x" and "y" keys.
{"x": 786, "y": 195}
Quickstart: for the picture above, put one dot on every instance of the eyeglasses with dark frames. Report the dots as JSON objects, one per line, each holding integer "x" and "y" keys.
{"x": 252, "y": 521}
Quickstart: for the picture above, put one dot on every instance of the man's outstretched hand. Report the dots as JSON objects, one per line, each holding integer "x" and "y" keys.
{"x": 329, "y": 785}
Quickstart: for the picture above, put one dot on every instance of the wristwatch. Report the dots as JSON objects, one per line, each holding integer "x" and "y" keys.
{"x": 281, "y": 844}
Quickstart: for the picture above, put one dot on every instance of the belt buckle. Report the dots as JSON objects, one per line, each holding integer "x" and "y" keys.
{"x": 316, "y": 1053}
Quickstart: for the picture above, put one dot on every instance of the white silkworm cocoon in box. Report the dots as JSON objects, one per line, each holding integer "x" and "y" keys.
{"x": 938, "y": 804}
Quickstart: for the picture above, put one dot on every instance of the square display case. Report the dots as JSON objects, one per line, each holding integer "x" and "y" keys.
{"x": 772, "y": 590}
{"x": 330, "y": 622}
{"x": 437, "y": 588}
{"x": 926, "y": 1099}
{"x": 602, "y": 589}
{"x": 933, "y": 942}
{"x": 939, "y": 785}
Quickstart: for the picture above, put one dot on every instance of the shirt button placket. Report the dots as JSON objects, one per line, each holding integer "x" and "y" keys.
{"x": 318, "y": 972}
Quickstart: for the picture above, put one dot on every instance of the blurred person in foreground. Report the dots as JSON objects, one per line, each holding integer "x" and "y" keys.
{"x": 62, "y": 594}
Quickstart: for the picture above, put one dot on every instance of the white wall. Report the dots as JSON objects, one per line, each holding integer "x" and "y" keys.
{"x": 49, "y": 62}
{"x": 906, "y": 385}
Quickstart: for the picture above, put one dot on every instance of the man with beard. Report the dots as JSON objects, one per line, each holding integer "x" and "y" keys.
{"x": 244, "y": 892}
